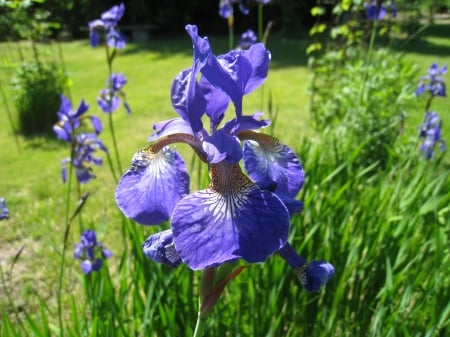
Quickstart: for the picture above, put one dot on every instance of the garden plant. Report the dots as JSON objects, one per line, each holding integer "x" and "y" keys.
{"x": 199, "y": 197}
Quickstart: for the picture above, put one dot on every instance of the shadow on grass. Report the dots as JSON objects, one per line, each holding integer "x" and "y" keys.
{"x": 285, "y": 52}
{"x": 425, "y": 44}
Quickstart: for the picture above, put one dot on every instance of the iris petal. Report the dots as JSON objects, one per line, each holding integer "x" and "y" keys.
{"x": 233, "y": 219}
{"x": 274, "y": 165}
{"x": 187, "y": 98}
{"x": 169, "y": 127}
{"x": 150, "y": 189}
{"x": 160, "y": 248}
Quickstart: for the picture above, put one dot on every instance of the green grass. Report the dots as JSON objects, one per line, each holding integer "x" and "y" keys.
{"x": 386, "y": 233}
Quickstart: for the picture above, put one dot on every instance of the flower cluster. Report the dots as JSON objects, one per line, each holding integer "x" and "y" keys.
{"x": 4, "y": 212}
{"x": 226, "y": 8}
{"x": 433, "y": 83}
{"x": 108, "y": 23}
{"x": 83, "y": 144}
{"x": 430, "y": 132}
{"x": 248, "y": 39}
{"x": 91, "y": 252}
{"x": 376, "y": 10}
{"x": 109, "y": 98}
{"x": 239, "y": 216}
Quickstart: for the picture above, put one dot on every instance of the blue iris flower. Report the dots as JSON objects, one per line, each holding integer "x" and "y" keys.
{"x": 433, "y": 82}
{"x": 226, "y": 8}
{"x": 374, "y": 11}
{"x": 70, "y": 119}
{"x": 431, "y": 133}
{"x": 109, "y": 99}
{"x": 239, "y": 216}
{"x": 248, "y": 39}
{"x": 4, "y": 211}
{"x": 91, "y": 252}
{"x": 108, "y": 22}
{"x": 85, "y": 145}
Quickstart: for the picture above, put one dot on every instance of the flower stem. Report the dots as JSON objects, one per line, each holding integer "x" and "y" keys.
{"x": 200, "y": 327}
{"x": 66, "y": 236}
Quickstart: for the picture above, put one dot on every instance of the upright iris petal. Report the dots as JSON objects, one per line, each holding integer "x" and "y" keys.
{"x": 232, "y": 220}
{"x": 150, "y": 189}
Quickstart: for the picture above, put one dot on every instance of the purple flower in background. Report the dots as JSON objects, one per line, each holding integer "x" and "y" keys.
{"x": 108, "y": 23}
{"x": 85, "y": 147}
{"x": 91, "y": 252}
{"x": 248, "y": 38}
{"x": 433, "y": 82}
{"x": 4, "y": 212}
{"x": 226, "y": 8}
{"x": 109, "y": 98}
{"x": 376, "y": 11}
{"x": 69, "y": 119}
{"x": 430, "y": 131}
{"x": 239, "y": 216}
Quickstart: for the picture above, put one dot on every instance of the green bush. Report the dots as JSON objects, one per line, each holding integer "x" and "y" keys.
{"x": 37, "y": 89}
{"x": 362, "y": 104}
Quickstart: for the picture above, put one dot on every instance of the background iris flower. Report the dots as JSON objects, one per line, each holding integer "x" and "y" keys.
{"x": 238, "y": 216}
{"x": 108, "y": 22}
{"x": 86, "y": 144}
{"x": 69, "y": 119}
{"x": 433, "y": 82}
{"x": 91, "y": 252}
{"x": 4, "y": 211}
{"x": 109, "y": 98}
{"x": 430, "y": 131}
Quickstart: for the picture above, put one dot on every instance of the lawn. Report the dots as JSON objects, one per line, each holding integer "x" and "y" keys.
{"x": 387, "y": 235}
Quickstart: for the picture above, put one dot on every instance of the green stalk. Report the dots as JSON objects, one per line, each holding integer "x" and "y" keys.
{"x": 260, "y": 22}
{"x": 362, "y": 95}
{"x": 66, "y": 235}
{"x": 109, "y": 59}
{"x": 200, "y": 327}
{"x": 230, "y": 33}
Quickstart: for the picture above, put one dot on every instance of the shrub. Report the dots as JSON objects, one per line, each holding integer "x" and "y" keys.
{"x": 37, "y": 90}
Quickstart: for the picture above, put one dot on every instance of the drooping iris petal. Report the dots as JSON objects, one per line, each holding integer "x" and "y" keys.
{"x": 150, "y": 189}
{"x": 268, "y": 164}
{"x": 246, "y": 123}
{"x": 116, "y": 39}
{"x": 160, "y": 248}
{"x": 169, "y": 127}
{"x": 96, "y": 123}
{"x": 220, "y": 146}
{"x": 187, "y": 99}
{"x": 316, "y": 275}
{"x": 232, "y": 220}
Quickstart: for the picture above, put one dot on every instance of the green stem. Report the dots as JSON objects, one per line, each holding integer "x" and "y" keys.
{"x": 109, "y": 59}
{"x": 66, "y": 235}
{"x": 200, "y": 327}
{"x": 116, "y": 150}
{"x": 230, "y": 33}
{"x": 260, "y": 22}
{"x": 368, "y": 60}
